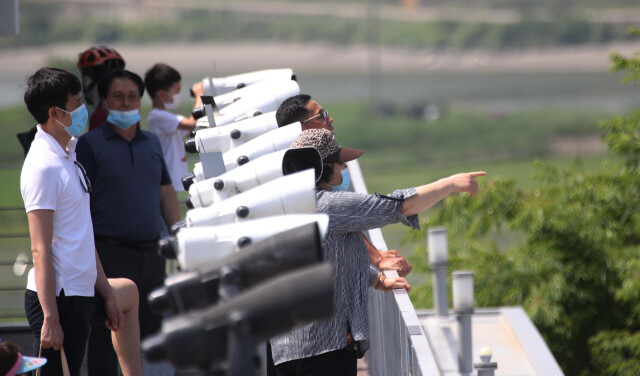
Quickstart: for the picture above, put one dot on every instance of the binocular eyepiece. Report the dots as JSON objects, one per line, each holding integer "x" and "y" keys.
{"x": 188, "y": 180}
{"x": 188, "y": 203}
{"x": 166, "y": 247}
{"x": 190, "y": 146}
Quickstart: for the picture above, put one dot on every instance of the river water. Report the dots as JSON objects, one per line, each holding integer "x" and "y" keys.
{"x": 492, "y": 92}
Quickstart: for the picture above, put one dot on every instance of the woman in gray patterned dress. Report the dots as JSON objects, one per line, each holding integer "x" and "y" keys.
{"x": 331, "y": 347}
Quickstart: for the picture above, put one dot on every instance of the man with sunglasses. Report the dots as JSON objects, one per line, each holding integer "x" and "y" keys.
{"x": 305, "y": 110}
{"x": 132, "y": 204}
{"x": 312, "y": 115}
{"x": 59, "y": 301}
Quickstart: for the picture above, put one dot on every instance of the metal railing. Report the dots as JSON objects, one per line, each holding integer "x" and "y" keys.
{"x": 398, "y": 343}
{"x": 16, "y": 235}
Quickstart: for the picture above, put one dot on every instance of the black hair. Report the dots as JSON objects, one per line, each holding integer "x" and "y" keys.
{"x": 49, "y": 87}
{"x": 104, "y": 85}
{"x": 292, "y": 109}
{"x": 8, "y": 356}
{"x": 327, "y": 171}
{"x": 160, "y": 77}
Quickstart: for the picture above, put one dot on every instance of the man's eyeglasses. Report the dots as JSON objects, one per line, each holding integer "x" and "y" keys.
{"x": 84, "y": 179}
{"x": 323, "y": 113}
{"x": 121, "y": 97}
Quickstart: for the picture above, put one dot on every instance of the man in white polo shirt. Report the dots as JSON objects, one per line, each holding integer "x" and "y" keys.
{"x": 59, "y": 301}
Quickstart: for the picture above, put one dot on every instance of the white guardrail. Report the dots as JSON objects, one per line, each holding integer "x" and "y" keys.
{"x": 398, "y": 343}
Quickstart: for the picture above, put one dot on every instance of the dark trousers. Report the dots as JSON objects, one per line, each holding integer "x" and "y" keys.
{"x": 75, "y": 314}
{"x": 335, "y": 363}
{"x": 141, "y": 264}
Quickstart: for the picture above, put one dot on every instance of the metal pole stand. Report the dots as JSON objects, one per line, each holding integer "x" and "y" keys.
{"x": 465, "y": 356}
{"x": 241, "y": 347}
{"x": 229, "y": 283}
{"x": 486, "y": 369}
{"x": 440, "y": 289}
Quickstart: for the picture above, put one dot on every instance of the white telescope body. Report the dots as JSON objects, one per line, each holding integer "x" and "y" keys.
{"x": 266, "y": 143}
{"x": 197, "y": 246}
{"x": 291, "y": 194}
{"x": 223, "y": 139}
{"x": 277, "y": 139}
{"x": 259, "y": 171}
{"x": 267, "y": 99}
{"x": 257, "y": 89}
{"x": 223, "y": 85}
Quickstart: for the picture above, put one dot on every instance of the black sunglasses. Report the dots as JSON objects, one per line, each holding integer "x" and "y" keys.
{"x": 84, "y": 179}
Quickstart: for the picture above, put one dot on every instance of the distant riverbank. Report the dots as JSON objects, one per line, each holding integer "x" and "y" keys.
{"x": 497, "y": 79}
{"x": 235, "y": 57}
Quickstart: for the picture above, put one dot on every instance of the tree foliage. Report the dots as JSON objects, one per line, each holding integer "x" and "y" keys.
{"x": 567, "y": 252}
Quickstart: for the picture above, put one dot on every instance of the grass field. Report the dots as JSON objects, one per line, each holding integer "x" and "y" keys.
{"x": 401, "y": 151}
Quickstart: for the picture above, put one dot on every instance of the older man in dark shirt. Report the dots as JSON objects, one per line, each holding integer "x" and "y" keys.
{"x": 132, "y": 194}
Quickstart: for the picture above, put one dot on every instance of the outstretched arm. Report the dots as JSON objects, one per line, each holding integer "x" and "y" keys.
{"x": 429, "y": 194}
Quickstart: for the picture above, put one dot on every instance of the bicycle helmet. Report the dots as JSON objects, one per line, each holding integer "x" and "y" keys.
{"x": 95, "y": 63}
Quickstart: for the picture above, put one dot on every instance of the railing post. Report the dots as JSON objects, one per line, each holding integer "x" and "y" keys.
{"x": 463, "y": 308}
{"x": 439, "y": 261}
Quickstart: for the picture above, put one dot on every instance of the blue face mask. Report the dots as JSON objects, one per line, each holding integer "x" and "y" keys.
{"x": 79, "y": 118}
{"x": 346, "y": 179}
{"x": 123, "y": 119}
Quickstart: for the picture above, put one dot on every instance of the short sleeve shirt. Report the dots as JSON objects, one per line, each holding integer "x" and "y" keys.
{"x": 349, "y": 213}
{"x": 50, "y": 180}
{"x": 127, "y": 179}
{"x": 164, "y": 124}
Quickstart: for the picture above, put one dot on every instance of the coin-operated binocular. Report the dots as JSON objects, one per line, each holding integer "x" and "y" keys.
{"x": 222, "y": 139}
{"x": 194, "y": 247}
{"x": 291, "y": 194}
{"x": 277, "y": 139}
{"x": 254, "y": 90}
{"x": 269, "y": 142}
{"x": 221, "y": 337}
{"x": 221, "y": 85}
{"x": 259, "y": 171}
{"x": 285, "y": 251}
{"x": 263, "y": 97}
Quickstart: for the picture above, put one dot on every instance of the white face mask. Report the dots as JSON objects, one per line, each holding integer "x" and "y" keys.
{"x": 177, "y": 98}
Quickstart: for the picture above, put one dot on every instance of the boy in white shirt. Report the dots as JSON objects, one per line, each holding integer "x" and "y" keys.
{"x": 164, "y": 84}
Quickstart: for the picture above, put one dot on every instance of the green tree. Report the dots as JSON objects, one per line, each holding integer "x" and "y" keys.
{"x": 571, "y": 255}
